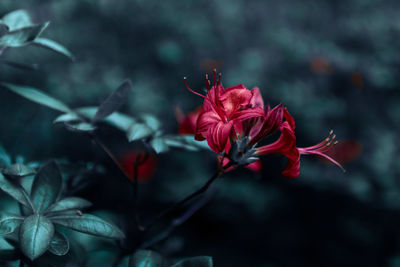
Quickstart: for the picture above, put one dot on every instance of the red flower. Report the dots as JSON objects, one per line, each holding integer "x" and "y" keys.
{"x": 286, "y": 145}
{"x": 223, "y": 112}
{"x": 188, "y": 123}
{"x": 145, "y": 170}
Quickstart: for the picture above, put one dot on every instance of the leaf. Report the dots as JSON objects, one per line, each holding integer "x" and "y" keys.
{"x": 22, "y": 66}
{"x": 138, "y": 131}
{"x": 17, "y": 19}
{"x": 46, "y": 186}
{"x": 18, "y": 170}
{"x": 146, "y": 258}
{"x": 37, "y": 96}
{"x": 200, "y": 261}
{"x": 8, "y": 251}
{"x": 80, "y": 127}
{"x": 35, "y": 235}
{"x": 9, "y": 222}
{"x": 69, "y": 203}
{"x": 185, "y": 141}
{"x": 4, "y": 157}
{"x": 118, "y": 120}
{"x": 158, "y": 144}
{"x": 59, "y": 245}
{"x": 151, "y": 121}
{"x": 14, "y": 190}
{"x": 3, "y": 29}
{"x": 67, "y": 117}
{"x": 89, "y": 224}
{"x": 52, "y": 45}
{"x": 23, "y": 36}
{"x": 113, "y": 102}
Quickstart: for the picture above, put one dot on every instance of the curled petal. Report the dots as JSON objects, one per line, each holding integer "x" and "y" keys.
{"x": 249, "y": 113}
{"x": 271, "y": 124}
{"x": 289, "y": 118}
{"x": 206, "y": 121}
{"x": 218, "y": 136}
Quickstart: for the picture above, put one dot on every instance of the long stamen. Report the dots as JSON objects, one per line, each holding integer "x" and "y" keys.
{"x": 184, "y": 80}
{"x": 219, "y": 79}
{"x": 207, "y": 83}
{"x": 215, "y": 75}
{"x": 323, "y": 143}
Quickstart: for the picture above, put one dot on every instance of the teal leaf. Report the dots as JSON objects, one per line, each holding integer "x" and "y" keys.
{"x": 118, "y": 120}
{"x": 17, "y": 19}
{"x": 186, "y": 142}
{"x": 159, "y": 145}
{"x": 67, "y": 117}
{"x": 200, "y": 261}
{"x": 8, "y": 251}
{"x": 35, "y": 235}
{"x": 38, "y": 96}
{"x": 5, "y": 158}
{"x": 113, "y": 102}
{"x": 89, "y": 224}
{"x": 18, "y": 170}
{"x": 14, "y": 190}
{"x": 54, "y": 46}
{"x": 69, "y": 203}
{"x": 80, "y": 127}
{"x": 9, "y": 222}
{"x": 18, "y": 65}
{"x": 146, "y": 258}
{"x": 3, "y": 29}
{"x": 151, "y": 121}
{"x": 23, "y": 36}
{"x": 46, "y": 186}
{"x": 59, "y": 245}
{"x": 138, "y": 131}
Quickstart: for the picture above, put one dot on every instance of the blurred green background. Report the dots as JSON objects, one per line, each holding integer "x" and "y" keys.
{"x": 334, "y": 64}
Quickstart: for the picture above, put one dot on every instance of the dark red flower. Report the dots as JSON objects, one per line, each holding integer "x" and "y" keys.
{"x": 145, "y": 170}
{"x": 188, "y": 123}
{"x": 286, "y": 145}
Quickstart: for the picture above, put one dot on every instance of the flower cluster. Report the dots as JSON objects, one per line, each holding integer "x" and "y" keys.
{"x": 234, "y": 120}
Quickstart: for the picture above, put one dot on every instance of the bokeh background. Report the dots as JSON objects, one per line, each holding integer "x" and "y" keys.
{"x": 334, "y": 64}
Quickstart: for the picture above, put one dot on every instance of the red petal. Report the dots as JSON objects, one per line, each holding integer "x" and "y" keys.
{"x": 256, "y": 99}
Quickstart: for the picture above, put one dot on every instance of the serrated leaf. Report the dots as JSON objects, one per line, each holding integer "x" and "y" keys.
{"x": 69, "y": 203}
{"x": 54, "y": 46}
{"x": 9, "y": 222}
{"x": 59, "y": 245}
{"x": 35, "y": 235}
{"x": 151, "y": 121}
{"x": 80, "y": 127}
{"x": 89, "y": 224}
{"x": 22, "y": 36}
{"x": 38, "y": 96}
{"x": 46, "y": 186}
{"x": 146, "y": 258}
{"x": 14, "y": 190}
{"x": 113, "y": 102}
{"x": 4, "y": 157}
{"x": 158, "y": 144}
{"x": 200, "y": 261}
{"x": 118, "y": 120}
{"x": 17, "y": 19}
{"x": 18, "y": 170}
{"x": 138, "y": 131}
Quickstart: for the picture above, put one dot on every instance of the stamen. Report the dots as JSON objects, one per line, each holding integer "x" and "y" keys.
{"x": 219, "y": 79}
{"x": 215, "y": 75}
{"x": 184, "y": 80}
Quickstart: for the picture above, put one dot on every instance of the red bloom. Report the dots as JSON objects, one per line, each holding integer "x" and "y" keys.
{"x": 286, "y": 145}
{"x": 145, "y": 170}
{"x": 188, "y": 123}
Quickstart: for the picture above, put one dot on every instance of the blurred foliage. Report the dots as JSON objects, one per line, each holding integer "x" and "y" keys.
{"x": 334, "y": 64}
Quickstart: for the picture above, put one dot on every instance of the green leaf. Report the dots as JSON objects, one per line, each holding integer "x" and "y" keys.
{"x": 69, "y": 203}
{"x": 18, "y": 65}
{"x": 118, "y": 120}
{"x": 146, "y": 258}
{"x": 14, "y": 190}
{"x": 158, "y": 144}
{"x": 59, "y": 245}
{"x": 185, "y": 141}
{"x": 67, "y": 117}
{"x": 113, "y": 102}
{"x": 151, "y": 121}
{"x": 4, "y": 157}
{"x": 23, "y": 36}
{"x": 9, "y": 222}
{"x": 35, "y": 235}
{"x": 138, "y": 131}
{"x": 89, "y": 224}
{"x": 38, "y": 96}
{"x": 17, "y": 19}
{"x": 80, "y": 127}
{"x": 52, "y": 45}
{"x": 200, "y": 261}
{"x": 46, "y": 186}
{"x": 18, "y": 170}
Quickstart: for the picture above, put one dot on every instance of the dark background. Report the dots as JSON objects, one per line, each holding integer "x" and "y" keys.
{"x": 334, "y": 64}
